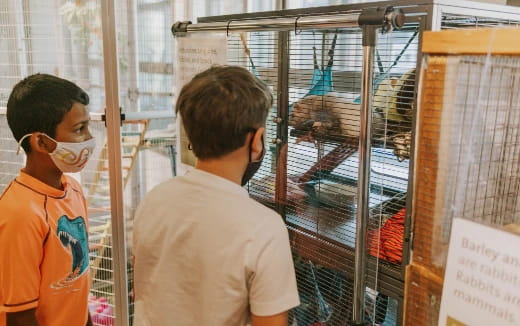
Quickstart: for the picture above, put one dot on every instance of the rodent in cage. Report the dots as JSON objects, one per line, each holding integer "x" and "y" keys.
{"x": 329, "y": 115}
{"x": 335, "y": 115}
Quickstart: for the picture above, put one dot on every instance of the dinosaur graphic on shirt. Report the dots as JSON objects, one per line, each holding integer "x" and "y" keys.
{"x": 73, "y": 235}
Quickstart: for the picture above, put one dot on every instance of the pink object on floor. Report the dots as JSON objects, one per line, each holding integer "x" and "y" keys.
{"x": 100, "y": 311}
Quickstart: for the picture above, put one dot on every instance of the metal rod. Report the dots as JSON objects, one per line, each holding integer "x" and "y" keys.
{"x": 113, "y": 120}
{"x": 363, "y": 193}
{"x": 133, "y": 116}
{"x": 282, "y": 127}
{"x": 277, "y": 24}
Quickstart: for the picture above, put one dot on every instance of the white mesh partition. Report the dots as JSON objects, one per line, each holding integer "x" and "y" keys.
{"x": 145, "y": 76}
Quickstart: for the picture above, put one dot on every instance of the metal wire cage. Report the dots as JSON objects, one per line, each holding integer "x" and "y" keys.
{"x": 312, "y": 180}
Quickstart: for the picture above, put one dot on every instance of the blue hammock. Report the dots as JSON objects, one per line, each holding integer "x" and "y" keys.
{"x": 321, "y": 82}
{"x": 324, "y": 309}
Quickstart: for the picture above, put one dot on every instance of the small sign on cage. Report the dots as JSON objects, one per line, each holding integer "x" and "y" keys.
{"x": 194, "y": 54}
{"x": 482, "y": 280}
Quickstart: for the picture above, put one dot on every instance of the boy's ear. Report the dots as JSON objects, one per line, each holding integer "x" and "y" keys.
{"x": 258, "y": 144}
{"x": 41, "y": 143}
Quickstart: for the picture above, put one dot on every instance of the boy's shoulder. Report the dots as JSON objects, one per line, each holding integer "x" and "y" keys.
{"x": 19, "y": 204}
{"x": 257, "y": 214}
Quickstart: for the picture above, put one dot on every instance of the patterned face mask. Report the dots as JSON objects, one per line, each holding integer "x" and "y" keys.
{"x": 69, "y": 157}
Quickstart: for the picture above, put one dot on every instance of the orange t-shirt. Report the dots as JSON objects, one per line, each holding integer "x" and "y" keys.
{"x": 44, "y": 261}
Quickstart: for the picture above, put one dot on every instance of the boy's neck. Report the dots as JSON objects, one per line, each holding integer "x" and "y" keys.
{"x": 229, "y": 167}
{"x": 44, "y": 173}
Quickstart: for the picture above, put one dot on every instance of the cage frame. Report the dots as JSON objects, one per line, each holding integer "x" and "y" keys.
{"x": 428, "y": 16}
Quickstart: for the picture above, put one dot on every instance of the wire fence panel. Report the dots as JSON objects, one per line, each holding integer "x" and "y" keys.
{"x": 467, "y": 158}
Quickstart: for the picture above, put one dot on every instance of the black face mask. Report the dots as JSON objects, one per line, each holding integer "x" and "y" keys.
{"x": 252, "y": 167}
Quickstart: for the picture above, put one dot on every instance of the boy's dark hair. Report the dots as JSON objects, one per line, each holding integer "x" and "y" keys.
{"x": 220, "y": 106}
{"x": 38, "y": 104}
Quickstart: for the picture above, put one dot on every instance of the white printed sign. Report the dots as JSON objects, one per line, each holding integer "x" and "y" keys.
{"x": 193, "y": 55}
{"x": 482, "y": 280}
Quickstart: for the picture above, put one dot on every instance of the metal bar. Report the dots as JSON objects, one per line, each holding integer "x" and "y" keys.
{"x": 131, "y": 116}
{"x": 410, "y": 7}
{"x": 435, "y": 19}
{"x": 113, "y": 121}
{"x": 370, "y": 21}
{"x": 282, "y": 128}
{"x": 407, "y": 241}
{"x": 365, "y": 149}
{"x": 277, "y": 24}
{"x": 486, "y": 9}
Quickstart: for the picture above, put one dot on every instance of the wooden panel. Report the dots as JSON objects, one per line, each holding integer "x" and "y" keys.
{"x": 502, "y": 41}
{"x": 424, "y": 278}
{"x": 426, "y": 185}
{"x": 423, "y": 291}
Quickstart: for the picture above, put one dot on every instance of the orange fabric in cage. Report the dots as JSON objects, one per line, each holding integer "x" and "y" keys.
{"x": 390, "y": 238}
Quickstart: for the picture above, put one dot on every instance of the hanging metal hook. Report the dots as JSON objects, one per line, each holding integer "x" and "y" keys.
{"x": 296, "y": 26}
{"x": 227, "y": 28}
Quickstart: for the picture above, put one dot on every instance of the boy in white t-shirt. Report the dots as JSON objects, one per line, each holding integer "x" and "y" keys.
{"x": 205, "y": 253}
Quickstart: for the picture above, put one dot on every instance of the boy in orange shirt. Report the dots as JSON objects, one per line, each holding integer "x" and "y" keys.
{"x": 44, "y": 262}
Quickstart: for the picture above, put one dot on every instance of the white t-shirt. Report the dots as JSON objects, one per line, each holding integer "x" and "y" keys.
{"x": 207, "y": 254}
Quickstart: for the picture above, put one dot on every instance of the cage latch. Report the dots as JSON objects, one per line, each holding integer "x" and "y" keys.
{"x": 387, "y": 19}
{"x": 180, "y": 28}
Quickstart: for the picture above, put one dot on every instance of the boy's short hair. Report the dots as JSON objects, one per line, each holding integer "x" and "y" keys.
{"x": 38, "y": 104}
{"x": 220, "y": 106}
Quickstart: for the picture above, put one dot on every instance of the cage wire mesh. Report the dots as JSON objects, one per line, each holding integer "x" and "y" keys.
{"x": 321, "y": 204}
{"x": 477, "y": 158}
{"x": 484, "y": 182}
{"x": 392, "y": 117}
{"x": 322, "y": 160}
{"x": 258, "y": 52}
{"x": 329, "y": 212}
{"x": 457, "y": 21}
